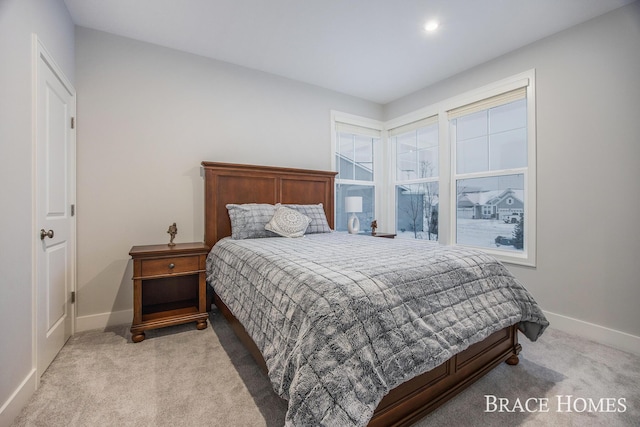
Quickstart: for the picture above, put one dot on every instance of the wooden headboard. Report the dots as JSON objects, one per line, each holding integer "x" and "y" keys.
{"x": 234, "y": 183}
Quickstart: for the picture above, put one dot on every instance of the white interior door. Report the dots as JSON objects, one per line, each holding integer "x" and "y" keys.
{"x": 55, "y": 221}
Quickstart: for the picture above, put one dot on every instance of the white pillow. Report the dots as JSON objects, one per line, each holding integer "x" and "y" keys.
{"x": 288, "y": 222}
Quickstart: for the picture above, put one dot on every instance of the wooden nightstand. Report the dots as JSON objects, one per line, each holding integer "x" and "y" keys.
{"x": 169, "y": 286}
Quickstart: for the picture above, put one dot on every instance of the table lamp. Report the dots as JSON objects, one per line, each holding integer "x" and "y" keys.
{"x": 353, "y": 205}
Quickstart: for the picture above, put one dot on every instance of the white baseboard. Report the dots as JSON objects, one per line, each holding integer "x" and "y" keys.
{"x": 591, "y": 331}
{"x": 18, "y": 400}
{"x": 103, "y": 320}
{"x": 597, "y": 333}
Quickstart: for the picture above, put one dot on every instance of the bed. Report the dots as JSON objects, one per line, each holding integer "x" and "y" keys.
{"x": 374, "y": 377}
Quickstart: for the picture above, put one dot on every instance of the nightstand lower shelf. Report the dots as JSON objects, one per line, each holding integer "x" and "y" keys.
{"x": 170, "y": 309}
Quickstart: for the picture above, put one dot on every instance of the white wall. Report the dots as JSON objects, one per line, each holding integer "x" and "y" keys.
{"x": 52, "y": 23}
{"x": 147, "y": 117}
{"x": 588, "y": 124}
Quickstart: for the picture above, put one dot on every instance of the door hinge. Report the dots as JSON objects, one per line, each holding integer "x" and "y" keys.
{"x": 73, "y": 210}
{"x": 73, "y": 122}
{"x": 73, "y": 297}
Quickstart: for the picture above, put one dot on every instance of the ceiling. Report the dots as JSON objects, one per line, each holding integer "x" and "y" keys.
{"x": 373, "y": 49}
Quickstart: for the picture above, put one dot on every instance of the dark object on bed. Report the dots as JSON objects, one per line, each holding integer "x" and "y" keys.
{"x": 227, "y": 183}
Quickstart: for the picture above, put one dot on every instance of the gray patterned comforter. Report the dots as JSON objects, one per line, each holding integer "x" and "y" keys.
{"x": 341, "y": 319}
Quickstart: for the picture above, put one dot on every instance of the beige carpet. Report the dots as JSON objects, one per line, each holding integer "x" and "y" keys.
{"x": 180, "y": 376}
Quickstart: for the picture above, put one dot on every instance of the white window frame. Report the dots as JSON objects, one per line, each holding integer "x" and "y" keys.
{"x": 395, "y": 180}
{"x": 527, "y": 80}
{"x": 385, "y": 164}
{"x": 379, "y": 165}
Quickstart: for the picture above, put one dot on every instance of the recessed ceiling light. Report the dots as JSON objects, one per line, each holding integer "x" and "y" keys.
{"x": 431, "y": 25}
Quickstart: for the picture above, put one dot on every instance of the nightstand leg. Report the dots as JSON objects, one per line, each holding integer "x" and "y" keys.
{"x": 137, "y": 336}
{"x": 202, "y": 324}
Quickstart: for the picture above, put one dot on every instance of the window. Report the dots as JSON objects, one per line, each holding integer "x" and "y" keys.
{"x": 416, "y": 178}
{"x": 355, "y": 160}
{"x": 460, "y": 172}
{"x": 490, "y": 170}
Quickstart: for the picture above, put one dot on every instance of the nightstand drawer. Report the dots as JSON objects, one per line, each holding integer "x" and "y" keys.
{"x": 162, "y": 266}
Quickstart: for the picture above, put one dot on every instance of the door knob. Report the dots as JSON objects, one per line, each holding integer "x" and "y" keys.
{"x": 44, "y": 234}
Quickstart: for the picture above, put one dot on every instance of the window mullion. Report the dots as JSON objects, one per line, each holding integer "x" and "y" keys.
{"x": 447, "y": 134}
{"x": 417, "y": 180}
{"x": 354, "y": 162}
{"x": 355, "y": 182}
{"x": 486, "y": 174}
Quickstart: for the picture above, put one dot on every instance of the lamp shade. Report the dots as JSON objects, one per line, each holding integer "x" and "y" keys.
{"x": 353, "y": 204}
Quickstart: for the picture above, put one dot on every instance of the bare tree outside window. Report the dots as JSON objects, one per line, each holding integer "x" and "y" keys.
{"x": 419, "y": 209}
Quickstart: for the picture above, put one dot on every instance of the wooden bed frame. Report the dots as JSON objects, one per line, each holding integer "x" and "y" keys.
{"x": 404, "y": 405}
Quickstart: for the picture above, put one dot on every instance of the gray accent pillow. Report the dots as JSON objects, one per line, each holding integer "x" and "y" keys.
{"x": 288, "y": 222}
{"x": 248, "y": 220}
{"x": 319, "y": 222}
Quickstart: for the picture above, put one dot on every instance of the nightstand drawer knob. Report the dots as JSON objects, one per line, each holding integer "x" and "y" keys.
{"x": 171, "y": 266}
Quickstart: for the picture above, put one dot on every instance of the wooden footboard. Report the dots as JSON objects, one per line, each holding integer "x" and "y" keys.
{"x": 412, "y": 400}
{"x": 407, "y": 403}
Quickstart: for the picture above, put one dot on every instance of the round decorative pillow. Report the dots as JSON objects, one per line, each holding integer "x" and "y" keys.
{"x": 288, "y": 222}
